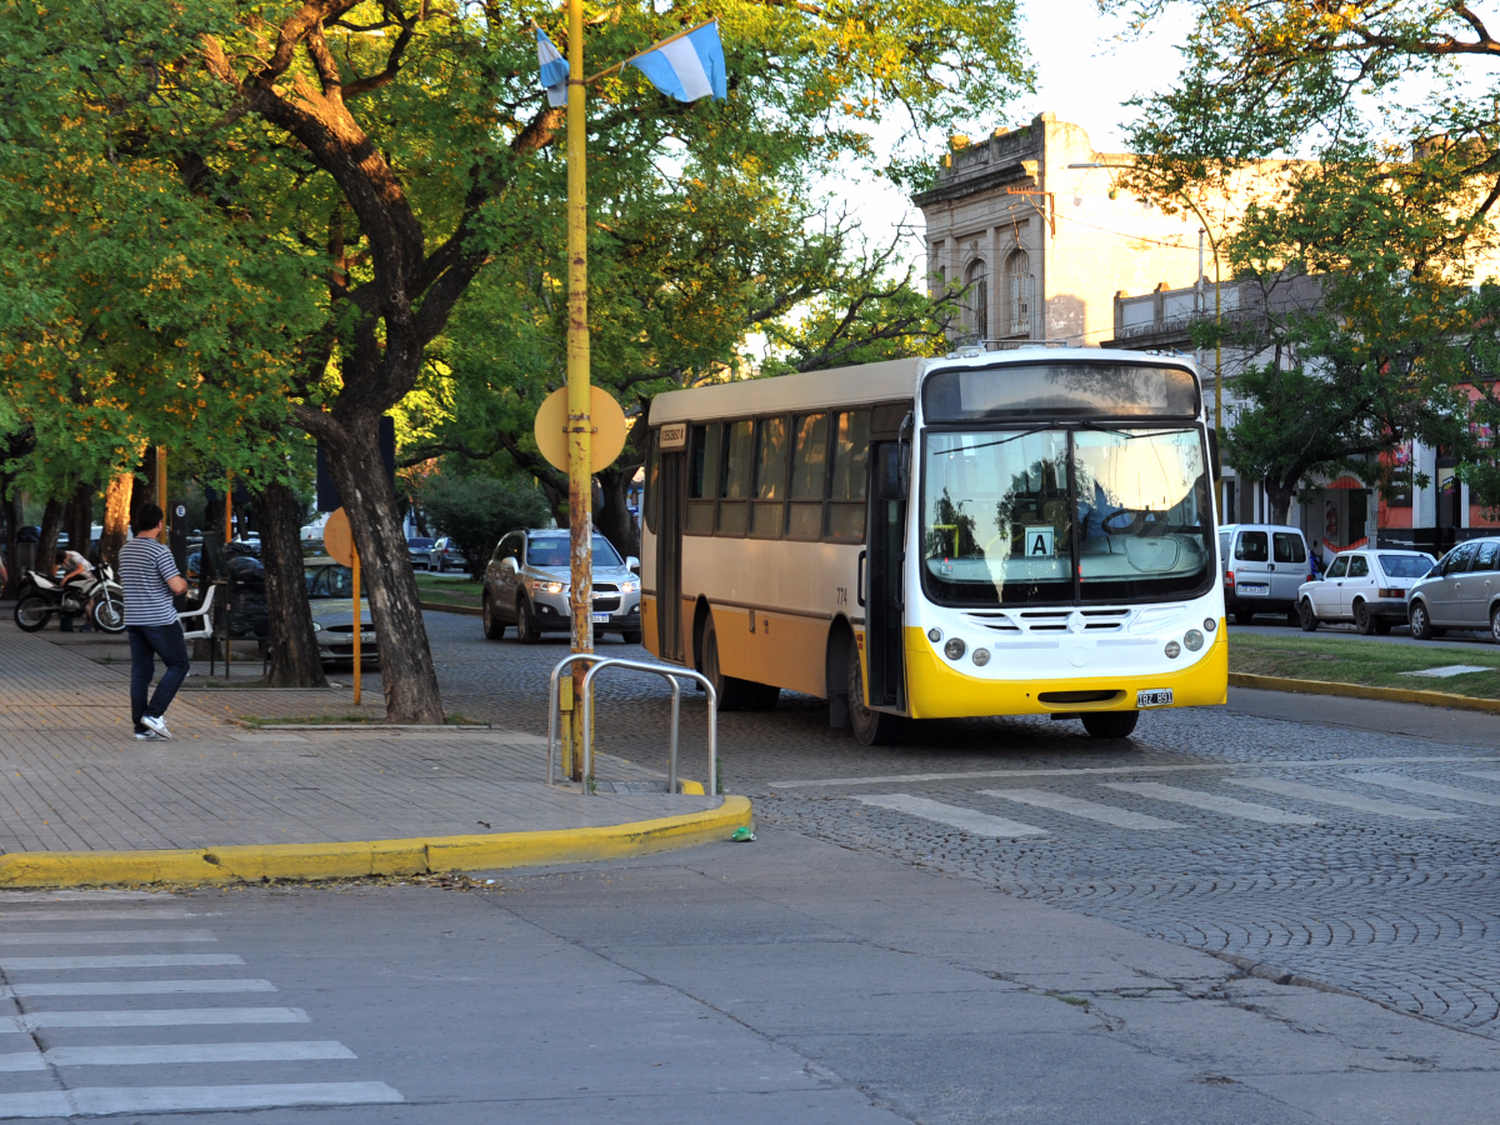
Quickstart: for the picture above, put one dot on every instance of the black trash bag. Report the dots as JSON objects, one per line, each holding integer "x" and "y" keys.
{"x": 248, "y": 615}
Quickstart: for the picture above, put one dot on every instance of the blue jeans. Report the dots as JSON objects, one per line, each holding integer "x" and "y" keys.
{"x": 146, "y": 643}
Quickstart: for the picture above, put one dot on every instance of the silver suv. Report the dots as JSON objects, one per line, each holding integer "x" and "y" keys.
{"x": 1461, "y": 592}
{"x": 526, "y": 584}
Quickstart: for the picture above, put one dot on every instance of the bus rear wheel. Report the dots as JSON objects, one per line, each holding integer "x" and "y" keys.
{"x": 1110, "y": 724}
{"x": 871, "y": 727}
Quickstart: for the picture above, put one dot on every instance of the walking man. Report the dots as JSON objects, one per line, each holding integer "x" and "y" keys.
{"x": 149, "y": 575}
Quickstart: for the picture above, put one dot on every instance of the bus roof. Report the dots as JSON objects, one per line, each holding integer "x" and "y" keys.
{"x": 838, "y": 386}
{"x": 887, "y": 381}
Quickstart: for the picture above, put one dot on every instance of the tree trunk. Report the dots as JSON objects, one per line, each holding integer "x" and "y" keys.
{"x": 1280, "y": 496}
{"x": 351, "y": 443}
{"x": 14, "y": 519}
{"x": 294, "y": 649}
{"x": 614, "y": 520}
{"x": 116, "y": 517}
{"x": 78, "y": 519}
{"x": 51, "y": 524}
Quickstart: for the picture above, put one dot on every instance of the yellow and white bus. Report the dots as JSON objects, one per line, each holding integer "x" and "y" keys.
{"x": 992, "y": 533}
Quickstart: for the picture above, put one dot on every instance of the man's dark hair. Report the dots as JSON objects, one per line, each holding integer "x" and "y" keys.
{"x": 147, "y": 516}
{"x": 59, "y": 555}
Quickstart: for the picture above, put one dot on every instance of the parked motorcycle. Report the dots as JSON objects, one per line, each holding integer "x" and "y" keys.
{"x": 100, "y": 598}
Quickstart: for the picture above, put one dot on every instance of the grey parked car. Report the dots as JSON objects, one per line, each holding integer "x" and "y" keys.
{"x": 1461, "y": 592}
{"x": 444, "y": 553}
{"x": 526, "y": 584}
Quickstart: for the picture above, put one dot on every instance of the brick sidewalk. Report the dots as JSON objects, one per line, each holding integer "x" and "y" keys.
{"x": 75, "y": 779}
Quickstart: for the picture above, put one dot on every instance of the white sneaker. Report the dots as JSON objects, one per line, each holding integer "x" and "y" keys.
{"x": 147, "y": 736}
{"x": 156, "y": 724}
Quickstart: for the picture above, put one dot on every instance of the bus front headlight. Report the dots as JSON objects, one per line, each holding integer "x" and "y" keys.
{"x": 955, "y": 648}
{"x": 1193, "y": 640}
{"x": 981, "y": 657}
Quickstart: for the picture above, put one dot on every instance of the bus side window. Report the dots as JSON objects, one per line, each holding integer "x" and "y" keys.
{"x": 703, "y": 482}
{"x": 846, "y": 494}
{"x": 809, "y": 473}
{"x": 770, "y": 478}
{"x": 734, "y": 492}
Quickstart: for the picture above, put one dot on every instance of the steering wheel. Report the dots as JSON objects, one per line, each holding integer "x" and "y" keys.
{"x": 1125, "y": 521}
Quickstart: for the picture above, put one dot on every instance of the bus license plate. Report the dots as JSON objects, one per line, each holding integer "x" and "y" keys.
{"x": 601, "y": 619}
{"x": 1161, "y": 697}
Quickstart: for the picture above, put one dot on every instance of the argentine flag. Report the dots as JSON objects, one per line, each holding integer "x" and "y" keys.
{"x": 554, "y": 70}
{"x": 689, "y": 67}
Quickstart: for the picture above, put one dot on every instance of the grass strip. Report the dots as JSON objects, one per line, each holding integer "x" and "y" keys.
{"x": 1353, "y": 660}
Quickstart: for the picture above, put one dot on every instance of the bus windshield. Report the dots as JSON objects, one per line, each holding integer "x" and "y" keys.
{"x": 1065, "y": 515}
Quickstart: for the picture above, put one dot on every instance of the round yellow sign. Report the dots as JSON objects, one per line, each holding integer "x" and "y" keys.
{"x": 338, "y": 540}
{"x": 606, "y": 419}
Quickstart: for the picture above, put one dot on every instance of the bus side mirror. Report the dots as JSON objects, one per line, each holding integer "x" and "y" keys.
{"x": 1213, "y": 455}
{"x": 890, "y": 480}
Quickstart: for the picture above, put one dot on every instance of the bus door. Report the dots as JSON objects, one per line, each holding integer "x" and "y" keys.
{"x": 672, "y": 501}
{"x": 884, "y": 553}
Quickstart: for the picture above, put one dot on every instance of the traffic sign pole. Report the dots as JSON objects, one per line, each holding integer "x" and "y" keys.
{"x": 580, "y": 424}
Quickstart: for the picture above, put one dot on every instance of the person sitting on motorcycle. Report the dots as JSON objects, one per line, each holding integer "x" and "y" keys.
{"x": 73, "y": 565}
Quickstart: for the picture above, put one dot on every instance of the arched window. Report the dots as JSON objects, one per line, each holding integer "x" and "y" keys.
{"x": 1018, "y": 294}
{"x": 978, "y": 281}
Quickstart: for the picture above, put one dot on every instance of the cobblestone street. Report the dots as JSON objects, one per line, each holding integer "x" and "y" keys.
{"x": 1358, "y": 858}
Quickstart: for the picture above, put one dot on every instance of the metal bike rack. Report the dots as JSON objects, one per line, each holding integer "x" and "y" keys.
{"x": 668, "y": 673}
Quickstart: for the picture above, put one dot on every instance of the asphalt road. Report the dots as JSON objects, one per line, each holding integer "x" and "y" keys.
{"x": 1344, "y": 841}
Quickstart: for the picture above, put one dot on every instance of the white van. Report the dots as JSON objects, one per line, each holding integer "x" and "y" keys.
{"x": 1263, "y": 565}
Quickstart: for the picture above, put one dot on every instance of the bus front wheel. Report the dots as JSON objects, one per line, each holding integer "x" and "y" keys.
{"x": 871, "y": 727}
{"x": 1110, "y": 724}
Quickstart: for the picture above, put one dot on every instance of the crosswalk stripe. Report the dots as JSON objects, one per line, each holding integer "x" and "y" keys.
{"x": 1210, "y": 802}
{"x": 155, "y": 1017}
{"x": 1375, "y": 805}
{"x": 70, "y": 914}
{"x": 12, "y": 1062}
{"x": 1076, "y": 806}
{"x": 1429, "y": 788}
{"x": 123, "y": 961}
{"x": 148, "y": 1054}
{"x": 1487, "y": 775}
{"x": 162, "y": 1099}
{"x": 967, "y": 820}
{"x": 1084, "y": 771}
{"x": 107, "y": 937}
{"x": 132, "y": 987}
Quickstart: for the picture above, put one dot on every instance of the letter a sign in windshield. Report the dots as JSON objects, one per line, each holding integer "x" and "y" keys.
{"x": 1039, "y": 542}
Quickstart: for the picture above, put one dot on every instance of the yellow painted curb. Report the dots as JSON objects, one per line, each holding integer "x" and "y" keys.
{"x": 251, "y": 863}
{"x": 1360, "y": 691}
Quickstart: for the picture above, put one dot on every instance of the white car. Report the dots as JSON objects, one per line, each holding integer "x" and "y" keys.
{"x": 1366, "y": 587}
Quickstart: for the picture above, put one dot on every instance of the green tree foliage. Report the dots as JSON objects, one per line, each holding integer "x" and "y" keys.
{"x": 353, "y": 167}
{"x": 475, "y": 511}
{"x": 1390, "y": 208}
{"x": 1366, "y": 325}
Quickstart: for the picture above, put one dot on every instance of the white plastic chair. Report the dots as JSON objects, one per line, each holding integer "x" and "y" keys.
{"x": 204, "y": 626}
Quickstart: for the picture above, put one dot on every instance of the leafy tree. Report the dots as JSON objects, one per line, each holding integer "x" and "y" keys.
{"x": 357, "y": 165}
{"x": 1390, "y": 209}
{"x": 476, "y": 510}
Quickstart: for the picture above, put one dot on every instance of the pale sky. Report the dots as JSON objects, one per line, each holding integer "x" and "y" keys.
{"x": 1084, "y": 73}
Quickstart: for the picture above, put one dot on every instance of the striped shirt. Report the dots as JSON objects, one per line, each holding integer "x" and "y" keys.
{"x": 145, "y": 566}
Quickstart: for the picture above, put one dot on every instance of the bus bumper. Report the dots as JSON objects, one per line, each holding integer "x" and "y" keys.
{"x": 935, "y": 690}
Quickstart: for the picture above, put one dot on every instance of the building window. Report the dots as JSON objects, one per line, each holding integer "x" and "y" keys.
{"x": 978, "y": 283}
{"x": 1018, "y": 291}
